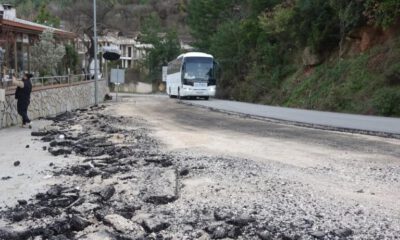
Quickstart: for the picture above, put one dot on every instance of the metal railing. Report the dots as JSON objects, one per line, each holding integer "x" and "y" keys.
{"x": 58, "y": 80}
{"x": 9, "y": 87}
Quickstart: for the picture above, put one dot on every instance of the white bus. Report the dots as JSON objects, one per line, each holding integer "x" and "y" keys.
{"x": 192, "y": 74}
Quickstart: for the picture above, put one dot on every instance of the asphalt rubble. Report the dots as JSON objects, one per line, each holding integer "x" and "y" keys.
{"x": 128, "y": 188}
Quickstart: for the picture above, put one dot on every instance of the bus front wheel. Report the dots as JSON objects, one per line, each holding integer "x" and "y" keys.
{"x": 179, "y": 94}
{"x": 169, "y": 93}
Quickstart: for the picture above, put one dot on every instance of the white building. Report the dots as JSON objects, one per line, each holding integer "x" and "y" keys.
{"x": 132, "y": 50}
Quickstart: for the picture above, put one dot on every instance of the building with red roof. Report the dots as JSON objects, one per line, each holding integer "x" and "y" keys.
{"x": 17, "y": 37}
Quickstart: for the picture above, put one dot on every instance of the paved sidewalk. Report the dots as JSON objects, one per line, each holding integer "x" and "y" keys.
{"x": 329, "y": 120}
{"x": 34, "y": 164}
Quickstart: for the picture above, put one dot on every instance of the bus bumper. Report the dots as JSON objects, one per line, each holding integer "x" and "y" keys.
{"x": 193, "y": 92}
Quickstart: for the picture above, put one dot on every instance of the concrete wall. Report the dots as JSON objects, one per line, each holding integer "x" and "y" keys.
{"x": 52, "y": 100}
{"x": 138, "y": 87}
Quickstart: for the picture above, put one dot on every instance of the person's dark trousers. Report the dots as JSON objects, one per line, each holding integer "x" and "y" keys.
{"x": 22, "y": 108}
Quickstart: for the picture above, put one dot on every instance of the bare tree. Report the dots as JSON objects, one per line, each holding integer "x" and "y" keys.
{"x": 78, "y": 17}
{"x": 124, "y": 16}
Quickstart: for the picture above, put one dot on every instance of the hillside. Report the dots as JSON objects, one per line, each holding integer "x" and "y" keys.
{"x": 315, "y": 54}
{"x": 126, "y": 16}
{"x": 326, "y": 55}
{"x": 368, "y": 83}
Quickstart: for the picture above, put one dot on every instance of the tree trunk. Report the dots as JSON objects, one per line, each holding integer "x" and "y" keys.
{"x": 90, "y": 52}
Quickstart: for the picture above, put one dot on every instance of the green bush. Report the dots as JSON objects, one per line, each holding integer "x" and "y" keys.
{"x": 204, "y": 18}
{"x": 227, "y": 48}
{"x": 392, "y": 74}
{"x": 382, "y": 13}
{"x": 387, "y": 101}
{"x": 71, "y": 59}
{"x": 277, "y": 21}
{"x": 315, "y": 24}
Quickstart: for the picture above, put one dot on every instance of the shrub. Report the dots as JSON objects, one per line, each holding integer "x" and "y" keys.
{"x": 382, "y": 13}
{"x": 229, "y": 47}
{"x": 277, "y": 20}
{"x": 387, "y": 101}
{"x": 392, "y": 74}
{"x": 71, "y": 58}
{"x": 315, "y": 24}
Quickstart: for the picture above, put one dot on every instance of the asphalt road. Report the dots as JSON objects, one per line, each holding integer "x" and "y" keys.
{"x": 335, "y": 121}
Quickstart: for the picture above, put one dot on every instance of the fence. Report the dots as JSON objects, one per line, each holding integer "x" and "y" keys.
{"x": 56, "y": 80}
{"x": 49, "y": 81}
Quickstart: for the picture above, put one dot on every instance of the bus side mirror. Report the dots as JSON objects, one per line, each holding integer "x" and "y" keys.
{"x": 217, "y": 70}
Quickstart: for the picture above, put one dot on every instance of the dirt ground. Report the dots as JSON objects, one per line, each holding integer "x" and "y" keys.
{"x": 173, "y": 171}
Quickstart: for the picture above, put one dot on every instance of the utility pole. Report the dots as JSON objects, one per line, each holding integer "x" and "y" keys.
{"x": 96, "y": 97}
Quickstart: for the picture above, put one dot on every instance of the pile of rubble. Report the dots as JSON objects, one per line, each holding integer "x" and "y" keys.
{"x": 111, "y": 153}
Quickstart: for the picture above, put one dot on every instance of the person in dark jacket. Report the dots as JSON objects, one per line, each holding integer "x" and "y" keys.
{"x": 23, "y": 96}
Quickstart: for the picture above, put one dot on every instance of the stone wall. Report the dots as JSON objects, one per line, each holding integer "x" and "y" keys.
{"x": 49, "y": 101}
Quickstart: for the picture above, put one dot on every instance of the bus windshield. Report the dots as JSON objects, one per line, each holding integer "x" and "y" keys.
{"x": 199, "y": 68}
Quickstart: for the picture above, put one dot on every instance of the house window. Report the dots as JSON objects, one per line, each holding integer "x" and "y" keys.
{"x": 129, "y": 52}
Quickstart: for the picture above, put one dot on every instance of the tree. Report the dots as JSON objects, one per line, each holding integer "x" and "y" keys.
{"x": 259, "y": 6}
{"x": 118, "y": 15}
{"x": 227, "y": 47}
{"x": 26, "y": 10}
{"x": 166, "y": 47}
{"x": 315, "y": 24}
{"x": 46, "y": 18}
{"x": 205, "y": 16}
{"x": 350, "y": 16}
{"x": 47, "y": 54}
{"x": 71, "y": 58}
{"x": 79, "y": 19}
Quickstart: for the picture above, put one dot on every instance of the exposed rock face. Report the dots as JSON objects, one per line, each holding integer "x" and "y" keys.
{"x": 367, "y": 37}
